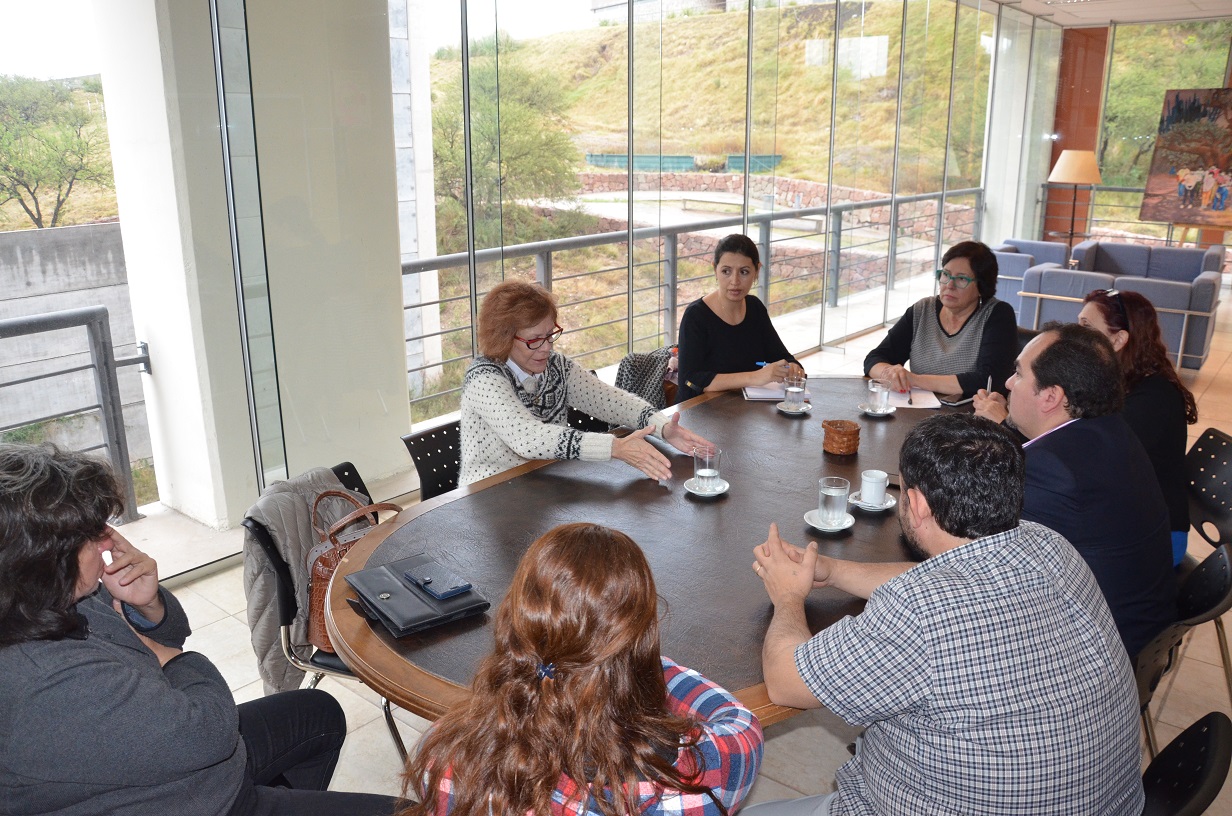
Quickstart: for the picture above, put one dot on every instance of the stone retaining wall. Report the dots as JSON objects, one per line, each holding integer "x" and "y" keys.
{"x": 917, "y": 219}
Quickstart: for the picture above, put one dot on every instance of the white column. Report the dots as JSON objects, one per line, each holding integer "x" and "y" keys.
{"x": 158, "y": 78}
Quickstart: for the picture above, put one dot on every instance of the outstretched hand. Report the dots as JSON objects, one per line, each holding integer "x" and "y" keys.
{"x": 636, "y": 451}
{"x": 681, "y": 438}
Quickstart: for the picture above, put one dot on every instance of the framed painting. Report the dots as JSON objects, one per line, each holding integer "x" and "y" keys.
{"x": 1190, "y": 178}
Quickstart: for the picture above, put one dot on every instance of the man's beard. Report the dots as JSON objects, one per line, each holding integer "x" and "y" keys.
{"x": 909, "y": 540}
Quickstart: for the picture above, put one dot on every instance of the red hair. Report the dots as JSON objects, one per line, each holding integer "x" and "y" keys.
{"x": 1144, "y": 353}
{"x": 583, "y": 601}
{"x": 508, "y": 308}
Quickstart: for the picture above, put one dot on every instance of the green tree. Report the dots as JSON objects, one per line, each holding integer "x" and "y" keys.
{"x": 520, "y": 148}
{"x": 50, "y": 142}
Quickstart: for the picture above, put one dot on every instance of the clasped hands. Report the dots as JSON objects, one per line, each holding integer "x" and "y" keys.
{"x": 790, "y": 572}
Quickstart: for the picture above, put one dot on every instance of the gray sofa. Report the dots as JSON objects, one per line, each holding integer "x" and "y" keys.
{"x": 1015, "y": 256}
{"x": 1182, "y": 283}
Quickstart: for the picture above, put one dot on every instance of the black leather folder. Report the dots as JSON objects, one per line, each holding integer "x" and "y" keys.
{"x": 403, "y": 607}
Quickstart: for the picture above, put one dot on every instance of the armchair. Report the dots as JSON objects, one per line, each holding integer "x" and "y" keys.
{"x": 1182, "y": 283}
{"x": 1014, "y": 257}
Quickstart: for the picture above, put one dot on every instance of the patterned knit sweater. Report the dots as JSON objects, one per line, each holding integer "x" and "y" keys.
{"x": 504, "y": 425}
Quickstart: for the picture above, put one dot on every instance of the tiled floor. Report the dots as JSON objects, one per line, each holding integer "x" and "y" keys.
{"x": 803, "y": 753}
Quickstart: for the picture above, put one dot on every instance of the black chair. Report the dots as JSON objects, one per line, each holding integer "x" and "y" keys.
{"x": 319, "y": 663}
{"x": 1189, "y": 773}
{"x": 1025, "y": 336}
{"x": 437, "y": 454}
{"x": 1204, "y": 596}
{"x": 582, "y": 421}
{"x": 1208, "y": 466}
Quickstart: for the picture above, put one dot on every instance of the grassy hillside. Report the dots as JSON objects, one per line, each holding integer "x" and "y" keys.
{"x": 691, "y": 77}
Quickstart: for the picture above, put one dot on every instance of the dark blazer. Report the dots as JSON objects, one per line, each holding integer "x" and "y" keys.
{"x": 1092, "y": 482}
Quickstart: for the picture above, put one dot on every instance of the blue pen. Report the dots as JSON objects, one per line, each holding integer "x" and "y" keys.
{"x": 759, "y": 364}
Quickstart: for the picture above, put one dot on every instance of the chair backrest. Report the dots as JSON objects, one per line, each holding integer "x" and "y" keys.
{"x": 582, "y": 421}
{"x": 1025, "y": 336}
{"x": 1189, "y": 773}
{"x": 437, "y": 454}
{"x": 1155, "y": 659}
{"x": 285, "y": 587}
{"x": 285, "y": 593}
{"x": 643, "y": 373}
{"x": 1207, "y": 591}
{"x": 1208, "y": 465}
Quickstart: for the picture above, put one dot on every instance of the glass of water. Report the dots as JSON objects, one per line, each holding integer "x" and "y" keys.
{"x": 706, "y": 469}
{"x": 878, "y": 396}
{"x": 793, "y": 390}
{"x": 832, "y": 500}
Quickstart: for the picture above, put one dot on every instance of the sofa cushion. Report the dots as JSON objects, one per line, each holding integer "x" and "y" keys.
{"x": 1181, "y": 264}
{"x": 1011, "y": 266}
{"x": 1043, "y": 251}
{"x": 1050, "y": 279}
{"x": 1170, "y": 298}
{"x": 1118, "y": 259}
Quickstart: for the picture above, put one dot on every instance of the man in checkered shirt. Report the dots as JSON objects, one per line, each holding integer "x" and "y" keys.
{"x": 990, "y": 678}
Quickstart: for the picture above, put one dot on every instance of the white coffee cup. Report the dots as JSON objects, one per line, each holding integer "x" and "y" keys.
{"x": 873, "y": 487}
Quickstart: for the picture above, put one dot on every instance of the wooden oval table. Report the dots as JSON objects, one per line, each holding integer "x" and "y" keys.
{"x": 715, "y": 609}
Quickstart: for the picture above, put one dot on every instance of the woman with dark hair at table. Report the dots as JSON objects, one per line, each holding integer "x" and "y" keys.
{"x": 957, "y": 340}
{"x": 103, "y": 711}
{"x": 516, "y": 397}
{"x": 1158, "y": 406}
{"x": 576, "y": 712}
{"x": 726, "y": 338}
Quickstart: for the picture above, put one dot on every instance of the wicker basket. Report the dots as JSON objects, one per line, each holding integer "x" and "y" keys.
{"x": 842, "y": 436}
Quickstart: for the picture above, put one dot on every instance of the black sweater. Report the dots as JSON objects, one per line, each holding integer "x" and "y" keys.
{"x": 709, "y": 346}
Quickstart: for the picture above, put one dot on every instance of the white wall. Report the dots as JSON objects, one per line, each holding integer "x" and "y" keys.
{"x": 158, "y": 78}
{"x": 321, "y": 107}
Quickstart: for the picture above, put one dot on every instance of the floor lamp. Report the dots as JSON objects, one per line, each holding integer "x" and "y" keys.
{"x": 1075, "y": 167}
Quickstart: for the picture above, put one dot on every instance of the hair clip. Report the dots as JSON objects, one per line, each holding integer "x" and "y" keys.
{"x": 546, "y": 672}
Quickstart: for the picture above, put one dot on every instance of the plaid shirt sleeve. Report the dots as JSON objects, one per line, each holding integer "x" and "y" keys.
{"x": 730, "y": 744}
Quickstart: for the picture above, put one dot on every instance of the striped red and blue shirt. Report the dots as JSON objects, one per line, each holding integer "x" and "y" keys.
{"x": 729, "y": 746}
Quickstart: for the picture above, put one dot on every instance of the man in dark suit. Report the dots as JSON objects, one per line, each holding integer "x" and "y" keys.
{"x": 1089, "y": 478}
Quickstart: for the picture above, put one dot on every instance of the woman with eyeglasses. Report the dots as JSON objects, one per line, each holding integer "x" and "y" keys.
{"x": 727, "y": 341}
{"x": 516, "y": 397}
{"x": 1158, "y": 406}
{"x": 957, "y": 340}
{"x": 575, "y": 711}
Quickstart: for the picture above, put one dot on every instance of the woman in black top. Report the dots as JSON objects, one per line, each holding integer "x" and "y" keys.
{"x": 726, "y": 338}
{"x": 1158, "y": 406}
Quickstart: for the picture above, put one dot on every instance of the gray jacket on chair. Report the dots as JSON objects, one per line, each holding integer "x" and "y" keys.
{"x": 285, "y": 509}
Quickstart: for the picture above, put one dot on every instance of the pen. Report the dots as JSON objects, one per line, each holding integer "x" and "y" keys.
{"x": 760, "y": 363}
{"x": 989, "y": 388}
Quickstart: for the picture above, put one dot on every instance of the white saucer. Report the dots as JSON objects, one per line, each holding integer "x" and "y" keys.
{"x": 854, "y": 498}
{"x": 812, "y": 519}
{"x": 722, "y": 487}
{"x": 782, "y": 406}
{"x": 864, "y": 407}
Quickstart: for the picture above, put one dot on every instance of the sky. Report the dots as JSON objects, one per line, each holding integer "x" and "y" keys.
{"x": 55, "y": 38}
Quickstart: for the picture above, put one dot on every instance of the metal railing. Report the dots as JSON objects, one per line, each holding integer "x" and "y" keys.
{"x": 1108, "y": 210}
{"x": 96, "y": 322}
{"x": 839, "y": 252}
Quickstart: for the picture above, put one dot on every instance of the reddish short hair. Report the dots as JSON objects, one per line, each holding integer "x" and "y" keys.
{"x": 510, "y": 306}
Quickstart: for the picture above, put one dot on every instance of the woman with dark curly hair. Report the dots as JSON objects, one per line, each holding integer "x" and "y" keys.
{"x": 1158, "y": 406}
{"x": 576, "y": 712}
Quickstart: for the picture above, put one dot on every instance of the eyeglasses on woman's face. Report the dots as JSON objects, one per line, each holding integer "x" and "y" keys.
{"x": 536, "y": 342}
{"x": 959, "y": 281}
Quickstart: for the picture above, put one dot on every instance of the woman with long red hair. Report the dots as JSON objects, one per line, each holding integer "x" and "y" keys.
{"x": 1158, "y": 406}
{"x": 576, "y": 712}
